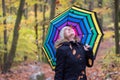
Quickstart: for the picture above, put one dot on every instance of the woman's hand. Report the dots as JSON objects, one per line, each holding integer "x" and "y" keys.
{"x": 86, "y": 47}
{"x": 89, "y": 55}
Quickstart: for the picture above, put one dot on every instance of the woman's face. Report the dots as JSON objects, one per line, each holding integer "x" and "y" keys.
{"x": 69, "y": 33}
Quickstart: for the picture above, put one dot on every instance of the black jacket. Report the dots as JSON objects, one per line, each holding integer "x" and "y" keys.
{"x": 71, "y": 61}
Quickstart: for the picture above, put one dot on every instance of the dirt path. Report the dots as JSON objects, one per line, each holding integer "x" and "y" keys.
{"x": 24, "y": 70}
{"x": 96, "y": 73}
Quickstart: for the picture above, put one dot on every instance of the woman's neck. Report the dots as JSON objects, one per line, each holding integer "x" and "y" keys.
{"x": 71, "y": 39}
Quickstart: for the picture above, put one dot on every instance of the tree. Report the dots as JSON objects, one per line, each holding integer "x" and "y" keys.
{"x": 10, "y": 57}
{"x": 44, "y": 19}
{"x": 36, "y": 30}
{"x": 116, "y": 12}
{"x": 26, "y": 10}
{"x": 100, "y": 3}
{"x": 91, "y": 4}
{"x": 119, "y": 15}
{"x": 5, "y": 31}
{"x": 85, "y": 1}
{"x": 10, "y": 7}
{"x": 43, "y": 25}
{"x": 41, "y": 6}
{"x": 52, "y": 7}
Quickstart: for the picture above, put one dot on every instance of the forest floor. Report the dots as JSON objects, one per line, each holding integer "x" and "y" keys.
{"x": 24, "y": 70}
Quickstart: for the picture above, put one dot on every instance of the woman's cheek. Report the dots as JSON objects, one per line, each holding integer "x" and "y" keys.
{"x": 66, "y": 34}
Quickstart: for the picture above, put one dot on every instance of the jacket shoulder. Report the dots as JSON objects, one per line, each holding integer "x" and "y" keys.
{"x": 63, "y": 46}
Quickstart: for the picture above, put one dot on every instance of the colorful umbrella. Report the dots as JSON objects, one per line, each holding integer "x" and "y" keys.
{"x": 85, "y": 24}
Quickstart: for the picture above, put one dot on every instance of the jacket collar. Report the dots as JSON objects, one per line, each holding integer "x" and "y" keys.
{"x": 66, "y": 43}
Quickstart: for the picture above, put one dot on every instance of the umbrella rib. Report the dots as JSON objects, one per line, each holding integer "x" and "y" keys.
{"x": 84, "y": 22}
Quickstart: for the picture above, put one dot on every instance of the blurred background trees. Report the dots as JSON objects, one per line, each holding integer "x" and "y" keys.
{"x": 22, "y": 32}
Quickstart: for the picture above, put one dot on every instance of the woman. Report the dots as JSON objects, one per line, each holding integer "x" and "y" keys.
{"x": 71, "y": 56}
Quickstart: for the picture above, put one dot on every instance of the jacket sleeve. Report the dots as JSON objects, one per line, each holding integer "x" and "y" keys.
{"x": 60, "y": 61}
{"x": 89, "y": 57}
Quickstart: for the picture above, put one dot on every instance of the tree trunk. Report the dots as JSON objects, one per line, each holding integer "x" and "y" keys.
{"x": 36, "y": 31}
{"x": 41, "y": 9}
{"x": 72, "y": 1}
{"x": 10, "y": 10}
{"x": 100, "y": 2}
{"x": 11, "y": 55}
{"x": 52, "y": 7}
{"x": 116, "y": 8}
{"x": 85, "y": 1}
{"x": 5, "y": 31}
{"x": 26, "y": 11}
{"x": 119, "y": 12}
{"x": 91, "y": 4}
{"x": 1, "y": 59}
{"x": 44, "y": 19}
{"x": 44, "y": 10}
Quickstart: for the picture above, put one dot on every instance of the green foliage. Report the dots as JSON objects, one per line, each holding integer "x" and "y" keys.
{"x": 32, "y": 2}
{"x": 108, "y": 34}
{"x": 27, "y": 43}
{"x": 13, "y": 3}
{"x": 11, "y": 19}
{"x": 1, "y": 50}
{"x": 110, "y": 64}
{"x": 81, "y": 4}
{"x": 111, "y": 59}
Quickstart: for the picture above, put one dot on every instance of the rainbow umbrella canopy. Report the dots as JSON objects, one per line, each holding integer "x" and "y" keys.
{"x": 85, "y": 24}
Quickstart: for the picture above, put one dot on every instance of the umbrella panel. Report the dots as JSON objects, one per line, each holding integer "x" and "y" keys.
{"x": 87, "y": 22}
